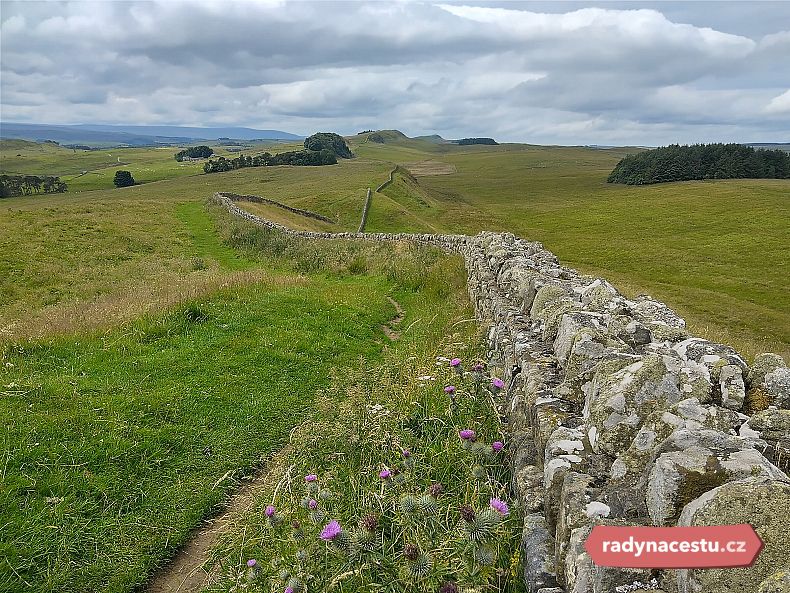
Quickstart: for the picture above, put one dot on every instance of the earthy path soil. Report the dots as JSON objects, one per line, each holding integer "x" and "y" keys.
{"x": 390, "y": 329}
{"x": 187, "y": 571}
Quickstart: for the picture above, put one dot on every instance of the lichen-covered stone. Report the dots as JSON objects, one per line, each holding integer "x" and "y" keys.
{"x": 773, "y": 427}
{"x": 537, "y": 553}
{"x": 714, "y": 356}
{"x": 777, "y": 386}
{"x": 652, "y": 312}
{"x": 678, "y": 477}
{"x": 760, "y": 502}
{"x": 616, "y": 405}
{"x": 552, "y": 314}
{"x": 572, "y": 512}
{"x": 545, "y": 295}
{"x": 629, "y": 330}
{"x": 778, "y": 582}
{"x": 731, "y": 386}
{"x": 762, "y": 365}
{"x": 568, "y": 331}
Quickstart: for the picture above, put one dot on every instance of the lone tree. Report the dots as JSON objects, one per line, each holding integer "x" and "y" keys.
{"x": 328, "y": 141}
{"x": 123, "y": 179}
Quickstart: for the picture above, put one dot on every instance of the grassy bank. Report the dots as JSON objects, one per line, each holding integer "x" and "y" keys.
{"x": 117, "y": 443}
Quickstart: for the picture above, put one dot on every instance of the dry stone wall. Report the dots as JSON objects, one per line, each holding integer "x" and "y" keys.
{"x": 617, "y": 416}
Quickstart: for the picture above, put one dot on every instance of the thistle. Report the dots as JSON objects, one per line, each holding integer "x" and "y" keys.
{"x": 435, "y": 490}
{"x": 421, "y": 567}
{"x": 479, "y": 526}
{"x": 407, "y": 504}
{"x": 334, "y": 534}
{"x": 364, "y": 540}
{"x": 483, "y": 555}
{"x": 325, "y": 495}
{"x": 448, "y": 587}
{"x": 302, "y": 556}
{"x": 284, "y": 575}
{"x": 369, "y": 523}
{"x": 295, "y": 585}
{"x": 479, "y": 472}
{"x": 298, "y": 532}
{"x": 427, "y": 505}
{"x": 252, "y": 569}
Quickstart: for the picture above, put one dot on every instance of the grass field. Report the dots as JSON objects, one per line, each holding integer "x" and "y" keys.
{"x": 112, "y": 384}
{"x": 115, "y": 442}
{"x": 85, "y": 170}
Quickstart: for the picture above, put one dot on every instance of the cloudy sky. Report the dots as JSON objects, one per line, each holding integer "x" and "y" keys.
{"x": 543, "y": 72}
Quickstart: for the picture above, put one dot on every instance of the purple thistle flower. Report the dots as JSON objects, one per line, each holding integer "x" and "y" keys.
{"x": 385, "y": 474}
{"x": 497, "y": 383}
{"x": 455, "y": 362}
{"x": 467, "y": 435}
{"x": 330, "y": 531}
{"x": 497, "y": 446}
{"x": 499, "y": 506}
{"x": 310, "y": 478}
{"x": 406, "y": 453}
{"x": 313, "y": 504}
{"x": 252, "y": 562}
{"x": 450, "y": 390}
{"x": 478, "y": 368}
{"x": 269, "y": 511}
{"x": 289, "y": 590}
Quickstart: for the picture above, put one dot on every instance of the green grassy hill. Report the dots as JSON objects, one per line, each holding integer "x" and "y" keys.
{"x": 178, "y": 330}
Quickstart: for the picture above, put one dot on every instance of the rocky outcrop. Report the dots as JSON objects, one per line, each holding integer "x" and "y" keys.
{"x": 617, "y": 416}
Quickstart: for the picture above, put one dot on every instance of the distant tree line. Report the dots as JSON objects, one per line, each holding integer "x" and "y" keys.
{"x": 295, "y": 157}
{"x": 321, "y": 149}
{"x": 701, "y": 161}
{"x": 23, "y": 185}
{"x": 194, "y": 152}
{"x": 466, "y": 141}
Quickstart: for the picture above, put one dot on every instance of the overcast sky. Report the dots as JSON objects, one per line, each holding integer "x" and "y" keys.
{"x": 644, "y": 73}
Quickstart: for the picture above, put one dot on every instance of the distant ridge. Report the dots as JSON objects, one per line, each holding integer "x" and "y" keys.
{"x": 115, "y": 135}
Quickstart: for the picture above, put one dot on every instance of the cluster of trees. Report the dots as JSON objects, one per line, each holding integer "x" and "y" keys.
{"x": 466, "y": 141}
{"x": 295, "y": 157}
{"x": 328, "y": 141}
{"x": 701, "y": 161}
{"x": 123, "y": 179}
{"x": 194, "y": 152}
{"x": 23, "y": 185}
{"x": 321, "y": 149}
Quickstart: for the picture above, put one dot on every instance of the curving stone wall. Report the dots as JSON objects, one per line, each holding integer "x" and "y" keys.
{"x": 617, "y": 416}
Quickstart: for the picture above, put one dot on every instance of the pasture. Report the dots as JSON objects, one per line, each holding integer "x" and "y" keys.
{"x": 154, "y": 351}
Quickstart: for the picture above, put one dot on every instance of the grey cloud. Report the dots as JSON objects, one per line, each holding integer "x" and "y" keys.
{"x": 538, "y": 72}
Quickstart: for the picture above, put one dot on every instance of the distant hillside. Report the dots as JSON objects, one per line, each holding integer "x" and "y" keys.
{"x": 384, "y": 136}
{"x": 110, "y": 135}
{"x": 435, "y": 138}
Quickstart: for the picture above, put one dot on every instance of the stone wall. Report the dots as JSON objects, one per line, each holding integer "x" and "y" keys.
{"x": 617, "y": 416}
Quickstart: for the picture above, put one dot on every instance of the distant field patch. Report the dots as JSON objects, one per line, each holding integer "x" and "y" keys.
{"x": 430, "y": 167}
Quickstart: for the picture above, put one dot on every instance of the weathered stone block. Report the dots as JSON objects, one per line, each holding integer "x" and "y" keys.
{"x": 777, "y": 386}
{"x": 616, "y": 405}
{"x": 762, "y": 365}
{"x": 731, "y": 385}
{"x": 537, "y": 554}
{"x": 759, "y": 501}
{"x": 680, "y": 476}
